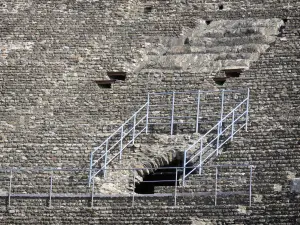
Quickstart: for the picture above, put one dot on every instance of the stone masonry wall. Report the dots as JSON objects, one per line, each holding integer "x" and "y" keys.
{"x": 65, "y": 112}
{"x": 52, "y": 111}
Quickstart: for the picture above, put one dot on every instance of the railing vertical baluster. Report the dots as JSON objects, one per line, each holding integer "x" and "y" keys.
{"x": 220, "y": 124}
{"x": 218, "y": 137}
{"x": 247, "y": 110}
{"x": 50, "y": 190}
{"x": 10, "y": 184}
{"x": 198, "y": 112}
{"x": 105, "y": 159}
{"x": 184, "y": 172}
{"x": 216, "y": 186}
{"x": 147, "y": 115}
{"x": 200, "y": 164}
{"x": 222, "y": 108}
{"x": 121, "y": 142}
{"x": 133, "y": 193}
{"x": 91, "y": 168}
{"x": 175, "y": 191}
{"x": 172, "y": 116}
{"x": 232, "y": 126}
{"x": 250, "y": 186}
{"x": 92, "y": 195}
{"x": 133, "y": 129}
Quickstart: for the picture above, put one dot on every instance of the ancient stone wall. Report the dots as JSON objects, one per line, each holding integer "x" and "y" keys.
{"x": 53, "y": 112}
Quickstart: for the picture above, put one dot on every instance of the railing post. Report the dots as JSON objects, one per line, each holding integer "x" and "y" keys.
{"x": 184, "y": 172}
{"x": 133, "y": 193}
{"x": 216, "y": 186}
{"x": 9, "y": 190}
{"x": 218, "y": 137}
{"x": 247, "y": 112}
{"x": 91, "y": 168}
{"x": 175, "y": 191}
{"x": 121, "y": 142}
{"x": 232, "y": 126}
{"x": 147, "y": 115}
{"x": 92, "y": 195}
{"x": 50, "y": 190}
{"x": 172, "y": 115}
{"x": 250, "y": 186}
{"x": 200, "y": 164}
{"x": 198, "y": 111}
{"x": 105, "y": 158}
{"x": 222, "y": 108}
{"x": 133, "y": 129}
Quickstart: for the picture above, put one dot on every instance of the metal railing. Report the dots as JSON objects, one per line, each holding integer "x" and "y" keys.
{"x": 115, "y": 144}
{"x": 210, "y": 143}
{"x": 190, "y": 110}
{"x": 169, "y": 112}
{"x": 52, "y": 184}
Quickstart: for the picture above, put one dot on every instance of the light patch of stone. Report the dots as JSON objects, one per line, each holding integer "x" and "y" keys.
{"x": 7, "y": 47}
{"x": 16, "y": 7}
{"x": 242, "y": 209}
{"x": 198, "y": 221}
{"x": 223, "y": 44}
{"x": 290, "y": 175}
{"x": 257, "y": 198}
{"x": 3, "y": 192}
{"x": 277, "y": 187}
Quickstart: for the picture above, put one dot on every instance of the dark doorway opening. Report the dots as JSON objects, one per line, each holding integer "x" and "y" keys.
{"x": 162, "y": 177}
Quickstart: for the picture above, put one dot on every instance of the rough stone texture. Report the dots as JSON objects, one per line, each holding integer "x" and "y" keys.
{"x": 52, "y": 112}
{"x": 209, "y": 48}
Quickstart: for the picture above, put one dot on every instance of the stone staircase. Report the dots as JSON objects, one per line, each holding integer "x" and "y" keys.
{"x": 211, "y": 48}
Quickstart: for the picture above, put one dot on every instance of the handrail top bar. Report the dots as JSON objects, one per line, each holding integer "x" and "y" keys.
{"x": 196, "y": 92}
{"x": 97, "y": 148}
{"x": 234, "y": 109}
{"x": 25, "y": 169}
{"x": 204, "y": 135}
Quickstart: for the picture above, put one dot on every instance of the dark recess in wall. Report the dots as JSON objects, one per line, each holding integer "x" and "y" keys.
{"x": 148, "y": 9}
{"x": 146, "y": 187}
{"x": 117, "y": 75}
{"x": 221, "y": 7}
{"x": 219, "y": 80}
{"x": 187, "y": 41}
{"x": 233, "y": 72}
{"x": 228, "y": 73}
{"x": 281, "y": 28}
{"x": 105, "y": 83}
